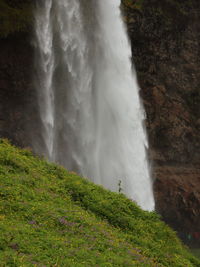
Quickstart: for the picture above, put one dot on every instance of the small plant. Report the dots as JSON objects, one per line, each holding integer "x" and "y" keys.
{"x": 119, "y": 186}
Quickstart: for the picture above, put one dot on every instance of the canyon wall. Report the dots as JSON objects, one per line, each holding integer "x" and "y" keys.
{"x": 165, "y": 38}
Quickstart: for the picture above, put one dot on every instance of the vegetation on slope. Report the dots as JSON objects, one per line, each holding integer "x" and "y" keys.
{"x": 52, "y": 217}
{"x": 182, "y": 6}
{"x": 15, "y": 16}
{"x": 135, "y": 4}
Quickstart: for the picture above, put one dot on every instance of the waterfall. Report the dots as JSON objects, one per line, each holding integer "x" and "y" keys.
{"x": 92, "y": 118}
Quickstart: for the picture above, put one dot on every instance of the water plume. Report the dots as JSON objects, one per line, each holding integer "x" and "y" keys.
{"x": 92, "y": 118}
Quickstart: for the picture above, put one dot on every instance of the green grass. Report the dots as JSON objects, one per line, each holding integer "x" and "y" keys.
{"x": 52, "y": 217}
{"x": 196, "y": 252}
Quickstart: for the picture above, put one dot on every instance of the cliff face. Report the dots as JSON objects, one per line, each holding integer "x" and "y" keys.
{"x": 18, "y": 105}
{"x": 177, "y": 192}
{"x": 165, "y": 38}
{"x": 16, "y": 90}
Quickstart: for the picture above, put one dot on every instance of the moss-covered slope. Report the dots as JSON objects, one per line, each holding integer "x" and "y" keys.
{"x": 51, "y": 217}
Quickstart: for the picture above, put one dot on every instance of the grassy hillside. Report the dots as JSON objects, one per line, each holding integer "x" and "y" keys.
{"x": 52, "y": 217}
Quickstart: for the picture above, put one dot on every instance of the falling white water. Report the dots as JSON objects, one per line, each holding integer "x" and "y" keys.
{"x": 88, "y": 95}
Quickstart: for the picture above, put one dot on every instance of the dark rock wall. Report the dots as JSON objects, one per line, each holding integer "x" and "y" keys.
{"x": 177, "y": 193}
{"x": 18, "y": 105}
{"x": 165, "y": 37}
{"x": 166, "y": 51}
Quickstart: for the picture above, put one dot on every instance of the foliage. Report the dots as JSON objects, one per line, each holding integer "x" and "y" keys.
{"x": 52, "y": 217}
{"x": 196, "y": 252}
{"x": 15, "y": 18}
{"x": 181, "y": 6}
{"x": 135, "y": 4}
{"x": 192, "y": 99}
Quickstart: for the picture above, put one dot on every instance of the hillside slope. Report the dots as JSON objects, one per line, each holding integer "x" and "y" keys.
{"x": 51, "y": 217}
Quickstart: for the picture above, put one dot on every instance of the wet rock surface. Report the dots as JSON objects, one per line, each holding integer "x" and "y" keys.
{"x": 166, "y": 45}
{"x": 18, "y": 104}
{"x": 177, "y": 197}
{"x": 165, "y": 38}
